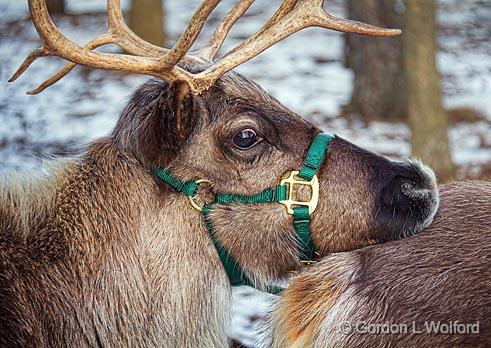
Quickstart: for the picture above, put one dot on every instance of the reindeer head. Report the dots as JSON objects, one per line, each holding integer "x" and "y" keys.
{"x": 204, "y": 122}
{"x": 242, "y": 140}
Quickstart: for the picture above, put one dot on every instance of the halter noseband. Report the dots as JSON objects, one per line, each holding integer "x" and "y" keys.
{"x": 283, "y": 193}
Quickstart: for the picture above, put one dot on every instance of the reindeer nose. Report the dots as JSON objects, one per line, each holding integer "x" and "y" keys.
{"x": 410, "y": 198}
{"x": 420, "y": 183}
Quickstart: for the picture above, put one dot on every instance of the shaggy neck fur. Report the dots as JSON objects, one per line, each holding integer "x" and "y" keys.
{"x": 107, "y": 261}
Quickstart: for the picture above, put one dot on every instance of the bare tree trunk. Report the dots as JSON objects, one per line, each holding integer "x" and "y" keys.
{"x": 427, "y": 118}
{"x": 55, "y": 6}
{"x": 379, "y": 90}
{"x": 146, "y": 20}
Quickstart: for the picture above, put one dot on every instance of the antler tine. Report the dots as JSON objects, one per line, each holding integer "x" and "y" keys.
{"x": 131, "y": 42}
{"x": 218, "y": 37}
{"x": 38, "y": 52}
{"x": 290, "y": 18}
{"x": 189, "y": 36}
{"x": 285, "y": 7}
{"x": 98, "y": 42}
{"x": 323, "y": 19}
{"x": 127, "y": 39}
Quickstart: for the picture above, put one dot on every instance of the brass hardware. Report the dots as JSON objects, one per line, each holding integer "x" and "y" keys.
{"x": 293, "y": 179}
{"x": 191, "y": 198}
{"x": 308, "y": 262}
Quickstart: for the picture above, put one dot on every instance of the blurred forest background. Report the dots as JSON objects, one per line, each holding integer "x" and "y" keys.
{"x": 426, "y": 93}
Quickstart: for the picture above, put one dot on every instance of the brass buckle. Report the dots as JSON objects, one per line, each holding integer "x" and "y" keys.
{"x": 291, "y": 201}
{"x": 191, "y": 198}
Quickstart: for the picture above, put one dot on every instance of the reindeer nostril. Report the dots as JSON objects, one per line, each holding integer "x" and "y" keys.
{"x": 414, "y": 192}
{"x": 406, "y": 188}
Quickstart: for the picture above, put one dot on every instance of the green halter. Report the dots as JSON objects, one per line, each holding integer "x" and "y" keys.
{"x": 283, "y": 193}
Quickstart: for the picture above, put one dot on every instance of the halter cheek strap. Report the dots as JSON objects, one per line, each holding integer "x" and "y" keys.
{"x": 284, "y": 193}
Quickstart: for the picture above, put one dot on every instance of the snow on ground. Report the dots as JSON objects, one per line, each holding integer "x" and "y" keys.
{"x": 305, "y": 72}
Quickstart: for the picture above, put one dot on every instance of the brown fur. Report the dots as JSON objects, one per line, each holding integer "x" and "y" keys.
{"x": 102, "y": 253}
{"x": 305, "y": 312}
{"x": 442, "y": 274}
{"x": 95, "y": 267}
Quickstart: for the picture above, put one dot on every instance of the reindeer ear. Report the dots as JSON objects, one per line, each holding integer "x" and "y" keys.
{"x": 165, "y": 116}
{"x": 157, "y": 121}
{"x": 184, "y": 108}
{"x": 173, "y": 116}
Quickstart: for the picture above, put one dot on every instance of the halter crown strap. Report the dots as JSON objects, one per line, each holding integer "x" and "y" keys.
{"x": 282, "y": 193}
{"x": 301, "y": 215}
{"x": 315, "y": 156}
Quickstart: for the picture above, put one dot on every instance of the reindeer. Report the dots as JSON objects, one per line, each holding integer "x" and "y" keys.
{"x": 110, "y": 248}
{"x": 429, "y": 290}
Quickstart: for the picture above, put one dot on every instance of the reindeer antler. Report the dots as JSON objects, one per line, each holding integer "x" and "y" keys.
{"x": 145, "y": 58}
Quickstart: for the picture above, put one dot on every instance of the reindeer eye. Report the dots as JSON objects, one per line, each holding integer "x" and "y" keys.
{"x": 246, "y": 138}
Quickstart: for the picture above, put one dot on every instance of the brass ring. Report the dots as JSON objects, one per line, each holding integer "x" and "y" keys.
{"x": 191, "y": 198}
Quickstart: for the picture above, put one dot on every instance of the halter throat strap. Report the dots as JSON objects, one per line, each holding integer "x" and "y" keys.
{"x": 283, "y": 193}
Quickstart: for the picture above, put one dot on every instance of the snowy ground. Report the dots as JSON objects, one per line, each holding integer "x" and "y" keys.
{"x": 314, "y": 83}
